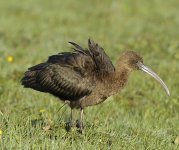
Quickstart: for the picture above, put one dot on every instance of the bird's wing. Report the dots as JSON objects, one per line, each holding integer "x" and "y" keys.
{"x": 64, "y": 82}
{"x": 98, "y": 59}
{"x": 79, "y": 60}
{"x": 68, "y": 75}
{"x": 102, "y": 61}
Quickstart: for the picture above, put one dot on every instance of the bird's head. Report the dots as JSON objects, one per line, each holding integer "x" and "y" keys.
{"x": 133, "y": 61}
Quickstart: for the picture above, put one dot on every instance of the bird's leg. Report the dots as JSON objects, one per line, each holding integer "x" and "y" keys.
{"x": 80, "y": 122}
{"x": 81, "y": 118}
{"x": 82, "y": 113}
{"x": 70, "y": 123}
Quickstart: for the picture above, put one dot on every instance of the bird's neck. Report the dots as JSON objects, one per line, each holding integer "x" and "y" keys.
{"x": 119, "y": 79}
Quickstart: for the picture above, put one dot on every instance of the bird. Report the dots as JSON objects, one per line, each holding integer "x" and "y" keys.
{"x": 85, "y": 76}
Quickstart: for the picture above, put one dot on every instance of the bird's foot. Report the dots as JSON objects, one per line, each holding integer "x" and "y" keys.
{"x": 80, "y": 125}
{"x": 69, "y": 125}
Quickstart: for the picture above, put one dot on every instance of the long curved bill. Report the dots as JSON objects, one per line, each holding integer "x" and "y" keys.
{"x": 154, "y": 75}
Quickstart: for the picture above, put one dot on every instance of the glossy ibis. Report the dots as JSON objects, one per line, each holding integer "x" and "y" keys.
{"x": 84, "y": 77}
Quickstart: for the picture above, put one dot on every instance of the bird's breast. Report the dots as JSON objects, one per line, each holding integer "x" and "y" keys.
{"x": 103, "y": 90}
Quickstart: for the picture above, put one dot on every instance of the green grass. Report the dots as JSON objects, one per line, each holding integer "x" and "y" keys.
{"x": 141, "y": 116}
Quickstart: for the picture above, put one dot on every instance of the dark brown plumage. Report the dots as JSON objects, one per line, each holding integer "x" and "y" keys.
{"x": 84, "y": 77}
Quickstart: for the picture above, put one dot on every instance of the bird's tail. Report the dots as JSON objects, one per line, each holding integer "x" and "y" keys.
{"x": 30, "y": 79}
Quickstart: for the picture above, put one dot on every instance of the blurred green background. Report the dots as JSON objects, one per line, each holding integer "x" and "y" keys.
{"x": 141, "y": 116}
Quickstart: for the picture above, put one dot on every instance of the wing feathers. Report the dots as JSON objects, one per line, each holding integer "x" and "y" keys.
{"x": 102, "y": 61}
{"x": 78, "y": 48}
{"x": 67, "y": 87}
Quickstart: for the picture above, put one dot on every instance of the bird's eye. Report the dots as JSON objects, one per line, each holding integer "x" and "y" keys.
{"x": 135, "y": 61}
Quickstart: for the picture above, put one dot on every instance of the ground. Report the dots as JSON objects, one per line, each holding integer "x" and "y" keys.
{"x": 141, "y": 116}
